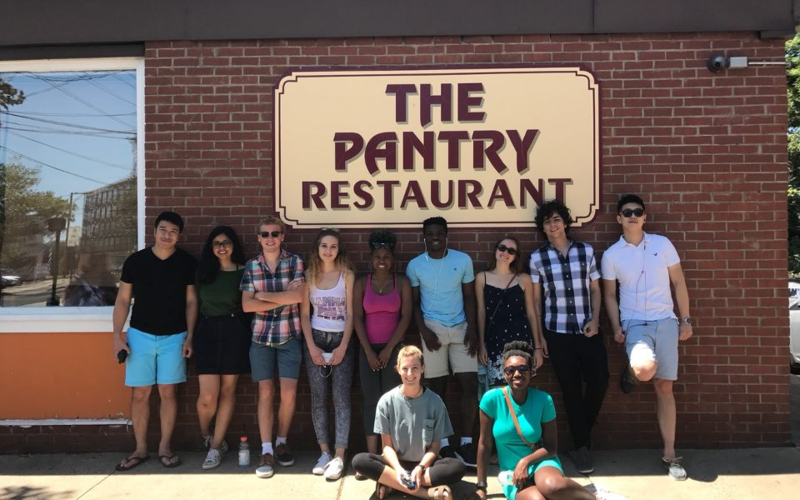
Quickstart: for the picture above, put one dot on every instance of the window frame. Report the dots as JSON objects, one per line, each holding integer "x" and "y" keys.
{"x": 81, "y": 319}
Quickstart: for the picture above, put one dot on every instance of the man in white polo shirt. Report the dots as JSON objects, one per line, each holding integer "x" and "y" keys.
{"x": 645, "y": 265}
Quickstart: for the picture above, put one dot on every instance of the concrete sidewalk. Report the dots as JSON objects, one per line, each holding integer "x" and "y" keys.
{"x": 714, "y": 475}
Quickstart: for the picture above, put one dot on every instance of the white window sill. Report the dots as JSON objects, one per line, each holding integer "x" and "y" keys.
{"x": 56, "y": 320}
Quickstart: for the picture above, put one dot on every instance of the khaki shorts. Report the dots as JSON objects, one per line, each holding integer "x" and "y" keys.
{"x": 453, "y": 353}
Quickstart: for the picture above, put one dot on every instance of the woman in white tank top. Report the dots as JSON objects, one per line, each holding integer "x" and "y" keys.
{"x": 327, "y": 320}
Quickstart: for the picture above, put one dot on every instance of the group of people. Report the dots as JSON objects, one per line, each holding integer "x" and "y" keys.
{"x": 491, "y": 331}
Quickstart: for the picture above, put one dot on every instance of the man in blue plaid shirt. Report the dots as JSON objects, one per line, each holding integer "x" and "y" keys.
{"x": 272, "y": 288}
{"x": 565, "y": 271}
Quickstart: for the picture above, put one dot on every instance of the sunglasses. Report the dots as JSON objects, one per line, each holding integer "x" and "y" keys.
{"x": 522, "y": 369}
{"x": 222, "y": 244}
{"x": 381, "y": 244}
{"x": 638, "y": 212}
{"x": 267, "y": 234}
{"x": 509, "y": 250}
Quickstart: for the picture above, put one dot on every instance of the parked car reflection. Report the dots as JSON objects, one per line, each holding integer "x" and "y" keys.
{"x": 9, "y": 277}
{"x": 794, "y": 326}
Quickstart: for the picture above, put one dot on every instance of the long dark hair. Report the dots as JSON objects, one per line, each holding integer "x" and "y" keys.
{"x": 209, "y": 263}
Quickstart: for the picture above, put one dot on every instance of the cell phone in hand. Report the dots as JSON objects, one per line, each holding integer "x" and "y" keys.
{"x": 122, "y": 355}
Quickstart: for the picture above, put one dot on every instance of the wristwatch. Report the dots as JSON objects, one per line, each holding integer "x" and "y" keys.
{"x": 481, "y": 485}
{"x": 686, "y": 320}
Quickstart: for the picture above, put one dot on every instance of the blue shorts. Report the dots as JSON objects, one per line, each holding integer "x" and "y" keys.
{"x": 286, "y": 357}
{"x": 155, "y": 359}
{"x": 510, "y": 490}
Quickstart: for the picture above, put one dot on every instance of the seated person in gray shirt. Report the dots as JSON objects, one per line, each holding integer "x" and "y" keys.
{"x": 411, "y": 422}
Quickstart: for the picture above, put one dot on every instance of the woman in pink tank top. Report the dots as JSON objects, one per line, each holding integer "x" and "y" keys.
{"x": 381, "y": 312}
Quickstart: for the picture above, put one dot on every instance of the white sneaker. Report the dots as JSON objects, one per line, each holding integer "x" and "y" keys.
{"x": 602, "y": 493}
{"x": 323, "y": 460}
{"x": 334, "y": 469}
{"x": 212, "y": 460}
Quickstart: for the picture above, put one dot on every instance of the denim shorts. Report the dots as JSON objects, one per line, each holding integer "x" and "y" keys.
{"x": 285, "y": 357}
{"x": 155, "y": 359}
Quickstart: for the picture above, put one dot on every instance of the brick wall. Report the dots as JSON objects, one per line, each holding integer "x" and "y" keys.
{"x": 708, "y": 153}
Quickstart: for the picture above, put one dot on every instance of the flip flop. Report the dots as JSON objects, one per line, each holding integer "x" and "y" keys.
{"x": 132, "y": 462}
{"x": 382, "y": 491}
{"x": 166, "y": 461}
{"x": 442, "y": 492}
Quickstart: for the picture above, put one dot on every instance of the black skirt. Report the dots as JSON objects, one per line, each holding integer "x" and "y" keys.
{"x": 222, "y": 345}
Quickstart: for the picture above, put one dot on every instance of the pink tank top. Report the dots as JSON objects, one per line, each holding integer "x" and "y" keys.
{"x": 381, "y": 312}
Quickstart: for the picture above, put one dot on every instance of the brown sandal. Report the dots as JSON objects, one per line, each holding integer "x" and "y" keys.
{"x": 382, "y": 491}
{"x": 442, "y": 492}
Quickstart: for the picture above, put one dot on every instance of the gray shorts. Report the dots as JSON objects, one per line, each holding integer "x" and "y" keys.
{"x": 653, "y": 341}
{"x": 286, "y": 357}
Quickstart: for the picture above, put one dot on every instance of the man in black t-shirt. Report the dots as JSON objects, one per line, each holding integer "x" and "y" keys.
{"x": 161, "y": 280}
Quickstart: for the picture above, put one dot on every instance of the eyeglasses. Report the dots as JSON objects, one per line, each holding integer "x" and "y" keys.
{"x": 522, "y": 369}
{"x": 267, "y": 234}
{"x": 638, "y": 212}
{"x": 381, "y": 244}
{"x": 509, "y": 250}
{"x": 222, "y": 244}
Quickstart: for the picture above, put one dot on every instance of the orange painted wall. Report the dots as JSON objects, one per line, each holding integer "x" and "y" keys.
{"x": 60, "y": 375}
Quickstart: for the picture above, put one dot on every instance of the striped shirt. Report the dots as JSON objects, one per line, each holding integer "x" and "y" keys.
{"x": 276, "y": 326}
{"x": 565, "y": 285}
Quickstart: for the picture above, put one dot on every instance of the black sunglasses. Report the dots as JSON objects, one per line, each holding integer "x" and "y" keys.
{"x": 638, "y": 212}
{"x": 381, "y": 244}
{"x": 509, "y": 250}
{"x": 267, "y": 234}
{"x": 522, "y": 369}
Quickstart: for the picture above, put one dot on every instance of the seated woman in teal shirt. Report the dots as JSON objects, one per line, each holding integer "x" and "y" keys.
{"x": 537, "y": 472}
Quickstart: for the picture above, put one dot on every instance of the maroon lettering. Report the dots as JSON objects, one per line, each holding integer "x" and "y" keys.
{"x": 527, "y": 187}
{"x": 413, "y": 193}
{"x": 337, "y": 195}
{"x": 428, "y": 100}
{"x": 312, "y": 193}
{"x": 400, "y": 92}
{"x": 388, "y": 193}
{"x": 560, "y": 187}
{"x": 468, "y": 191}
{"x": 522, "y": 146}
{"x": 479, "y": 150}
{"x": 425, "y": 148}
{"x": 360, "y": 190}
{"x": 375, "y": 151}
{"x": 344, "y": 153}
{"x": 466, "y": 101}
{"x": 501, "y": 192}
{"x": 453, "y": 140}
{"x": 436, "y": 198}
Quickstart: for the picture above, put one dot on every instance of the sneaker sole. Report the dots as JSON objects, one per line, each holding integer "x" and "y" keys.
{"x": 458, "y": 456}
{"x": 209, "y": 467}
{"x": 286, "y": 464}
{"x": 265, "y": 475}
{"x": 586, "y": 472}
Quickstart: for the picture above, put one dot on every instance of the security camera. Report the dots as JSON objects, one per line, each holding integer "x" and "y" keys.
{"x": 717, "y": 63}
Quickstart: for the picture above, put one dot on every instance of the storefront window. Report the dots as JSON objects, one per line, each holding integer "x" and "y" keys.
{"x": 68, "y": 183}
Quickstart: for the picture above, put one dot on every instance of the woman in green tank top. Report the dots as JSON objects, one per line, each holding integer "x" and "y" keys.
{"x": 222, "y": 339}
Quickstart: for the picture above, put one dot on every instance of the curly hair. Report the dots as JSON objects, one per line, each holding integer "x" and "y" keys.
{"x": 342, "y": 261}
{"x": 518, "y": 348}
{"x": 547, "y": 209}
{"x": 382, "y": 238}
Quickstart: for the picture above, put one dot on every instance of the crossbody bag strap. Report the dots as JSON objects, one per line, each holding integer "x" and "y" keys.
{"x": 533, "y": 447}
{"x": 502, "y": 296}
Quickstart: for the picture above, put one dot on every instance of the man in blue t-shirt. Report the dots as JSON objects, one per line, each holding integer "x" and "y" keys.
{"x": 444, "y": 311}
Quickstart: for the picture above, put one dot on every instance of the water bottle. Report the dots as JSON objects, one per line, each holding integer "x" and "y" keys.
{"x": 244, "y": 452}
{"x": 506, "y": 477}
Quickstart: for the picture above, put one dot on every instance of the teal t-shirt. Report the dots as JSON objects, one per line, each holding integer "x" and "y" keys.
{"x": 439, "y": 282}
{"x": 537, "y": 410}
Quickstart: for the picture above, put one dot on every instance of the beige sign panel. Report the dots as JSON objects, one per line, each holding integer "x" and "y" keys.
{"x": 480, "y": 146}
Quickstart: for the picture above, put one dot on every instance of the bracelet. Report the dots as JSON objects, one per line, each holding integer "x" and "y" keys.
{"x": 481, "y": 485}
{"x": 421, "y": 467}
{"x": 538, "y": 348}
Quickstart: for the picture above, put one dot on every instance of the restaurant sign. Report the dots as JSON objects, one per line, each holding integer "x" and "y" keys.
{"x": 482, "y": 147}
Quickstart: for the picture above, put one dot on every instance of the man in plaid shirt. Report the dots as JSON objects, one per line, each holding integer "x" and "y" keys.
{"x": 272, "y": 288}
{"x": 565, "y": 270}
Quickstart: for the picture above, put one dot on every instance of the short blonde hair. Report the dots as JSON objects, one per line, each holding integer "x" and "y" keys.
{"x": 410, "y": 351}
{"x": 271, "y": 220}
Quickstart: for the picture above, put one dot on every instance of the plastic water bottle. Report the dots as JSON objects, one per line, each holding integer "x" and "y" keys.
{"x": 506, "y": 477}
{"x": 244, "y": 452}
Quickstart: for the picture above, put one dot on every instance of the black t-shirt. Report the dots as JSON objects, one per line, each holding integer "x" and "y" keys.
{"x": 159, "y": 290}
